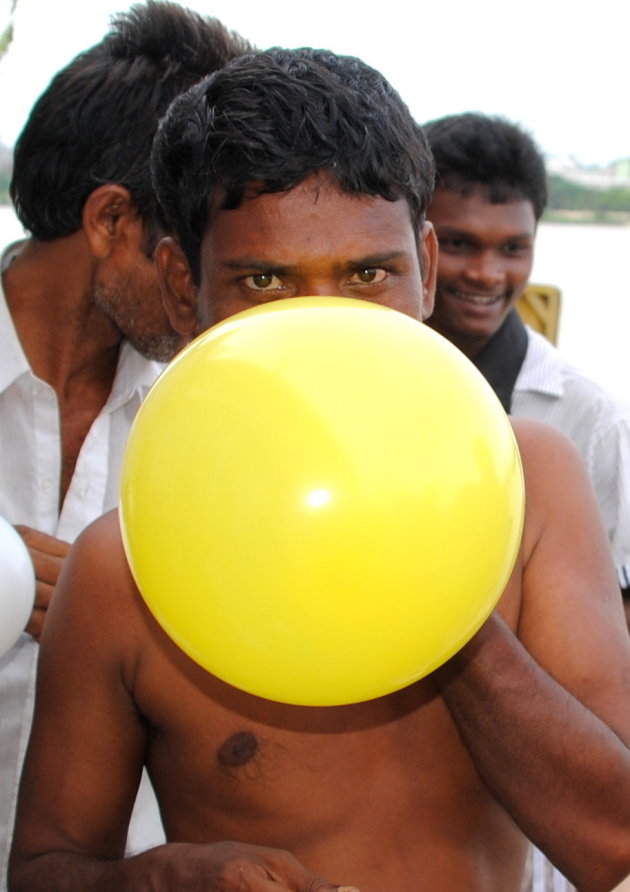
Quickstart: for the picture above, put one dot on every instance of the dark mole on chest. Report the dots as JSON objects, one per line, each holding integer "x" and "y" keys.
{"x": 238, "y": 749}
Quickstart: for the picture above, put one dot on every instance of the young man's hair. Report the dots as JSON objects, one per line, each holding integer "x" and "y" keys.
{"x": 95, "y": 122}
{"x": 267, "y": 121}
{"x": 474, "y": 150}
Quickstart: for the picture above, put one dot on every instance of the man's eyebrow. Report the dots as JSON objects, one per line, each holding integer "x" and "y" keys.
{"x": 451, "y": 230}
{"x": 247, "y": 264}
{"x": 372, "y": 260}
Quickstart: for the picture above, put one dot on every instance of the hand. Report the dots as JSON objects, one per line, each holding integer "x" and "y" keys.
{"x": 48, "y": 555}
{"x": 232, "y": 867}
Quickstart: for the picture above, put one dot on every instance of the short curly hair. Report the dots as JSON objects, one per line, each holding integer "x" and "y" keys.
{"x": 473, "y": 149}
{"x": 95, "y": 122}
{"x": 268, "y": 120}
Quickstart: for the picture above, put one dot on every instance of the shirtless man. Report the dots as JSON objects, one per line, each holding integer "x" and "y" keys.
{"x": 318, "y": 184}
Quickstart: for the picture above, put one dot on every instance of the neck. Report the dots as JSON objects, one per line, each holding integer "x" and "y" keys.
{"x": 469, "y": 346}
{"x": 48, "y": 291}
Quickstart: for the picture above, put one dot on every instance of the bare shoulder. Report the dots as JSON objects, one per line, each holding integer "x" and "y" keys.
{"x": 98, "y": 554}
{"x": 561, "y": 509}
{"x": 101, "y": 536}
{"x": 554, "y": 471}
{"x": 95, "y": 590}
{"x": 537, "y": 440}
{"x": 571, "y": 617}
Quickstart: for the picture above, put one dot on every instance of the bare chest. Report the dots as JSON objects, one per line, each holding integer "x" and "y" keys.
{"x": 231, "y": 760}
{"x": 364, "y": 793}
{"x": 251, "y": 756}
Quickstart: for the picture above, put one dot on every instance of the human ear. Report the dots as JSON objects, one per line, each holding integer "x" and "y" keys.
{"x": 179, "y": 294}
{"x": 110, "y": 218}
{"x": 428, "y": 249}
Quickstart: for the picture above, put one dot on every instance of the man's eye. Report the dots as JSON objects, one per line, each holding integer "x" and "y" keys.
{"x": 515, "y": 248}
{"x": 452, "y": 243}
{"x": 371, "y": 275}
{"x": 263, "y": 282}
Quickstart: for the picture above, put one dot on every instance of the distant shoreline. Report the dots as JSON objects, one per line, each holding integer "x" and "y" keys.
{"x": 605, "y": 218}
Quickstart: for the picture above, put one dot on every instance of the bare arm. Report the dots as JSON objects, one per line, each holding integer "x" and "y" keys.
{"x": 174, "y": 867}
{"x": 546, "y": 718}
{"x": 87, "y": 750}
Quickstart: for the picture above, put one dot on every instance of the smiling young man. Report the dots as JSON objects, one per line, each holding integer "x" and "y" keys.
{"x": 491, "y": 191}
{"x": 294, "y": 173}
{"x": 486, "y": 255}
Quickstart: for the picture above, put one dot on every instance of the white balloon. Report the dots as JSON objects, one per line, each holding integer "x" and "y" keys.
{"x": 17, "y": 586}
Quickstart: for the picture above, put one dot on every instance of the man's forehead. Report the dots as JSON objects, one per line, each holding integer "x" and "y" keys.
{"x": 315, "y": 219}
{"x": 478, "y": 195}
{"x": 477, "y": 207}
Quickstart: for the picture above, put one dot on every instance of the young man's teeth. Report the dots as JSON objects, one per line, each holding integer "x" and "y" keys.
{"x": 478, "y": 298}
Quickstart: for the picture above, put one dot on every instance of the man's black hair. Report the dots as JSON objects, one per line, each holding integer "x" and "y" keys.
{"x": 269, "y": 120}
{"x": 474, "y": 150}
{"x": 95, "y": 122}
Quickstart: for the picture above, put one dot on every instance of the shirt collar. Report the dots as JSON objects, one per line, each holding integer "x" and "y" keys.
{"x": 134, "y": 374}
{"x": 134, "y": 377}
{"x": 543, "y": 368}
{"x": 13, "y": 361}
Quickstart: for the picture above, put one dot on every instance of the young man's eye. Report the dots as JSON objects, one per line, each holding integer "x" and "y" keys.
{"x": 516, "y": 248}
{"x": 371, "y": 275}
{"x": 452, "y": 243}
{"x": 263, "y": 282}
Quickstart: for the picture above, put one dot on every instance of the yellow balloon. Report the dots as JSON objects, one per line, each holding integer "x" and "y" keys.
{"x": 322, "y": 500}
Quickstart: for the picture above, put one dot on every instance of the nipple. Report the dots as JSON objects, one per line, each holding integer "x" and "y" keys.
{"x": 238, "y": 749}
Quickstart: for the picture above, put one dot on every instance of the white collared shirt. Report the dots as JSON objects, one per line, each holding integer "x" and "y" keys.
{"x": 30, "y": 479}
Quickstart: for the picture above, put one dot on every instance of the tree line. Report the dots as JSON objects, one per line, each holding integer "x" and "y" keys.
{"x": 565, "y": 195}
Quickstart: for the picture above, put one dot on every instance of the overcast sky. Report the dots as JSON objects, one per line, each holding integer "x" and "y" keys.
{"x": 559, "y": 68}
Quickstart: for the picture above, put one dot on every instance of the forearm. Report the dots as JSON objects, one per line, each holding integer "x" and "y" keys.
{"x": 174, "y": 867}
{"x": 560, "y": 772}
{"x": 69, "y": 872}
